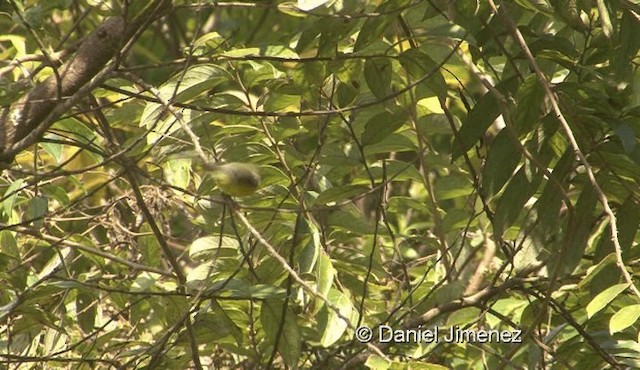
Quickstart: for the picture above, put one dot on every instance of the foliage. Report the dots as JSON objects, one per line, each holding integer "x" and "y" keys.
{"x": 425, "y": 164}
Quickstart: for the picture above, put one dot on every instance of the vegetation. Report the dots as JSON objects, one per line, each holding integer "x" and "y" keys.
{"x": 426, "y": 167}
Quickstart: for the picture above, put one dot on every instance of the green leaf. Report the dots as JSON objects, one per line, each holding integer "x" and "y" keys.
{"x": 86, "y": 307}
{"x": 273, "y": 322}
{"x": 36, "y": 210}
{"x": 345, "y": 94}
{"x": 578, "y": 230}
{"x": 603, "y": 299}
{"x": 8, "y": 245}
{"x": 381, "y": 126}
{"x": 330, "y": 325}
{"x": 396, "y": 142}
{"x": 479, "y": 119}
{"x": 352, "y": 221}
{"x": 208, "y": 246}
{"x": 56, "y": 193}
{"x": 282, "y": 103}
{"x": 11, "y": 195}
{"x": 377, "y": 74}
{"x": 240, "y": 289}
{"x": 76, "y": 129}
{"x": 340, "y": 193}
{"x": 55, "y": 150}
{"x": 372, "y": 30}
{"x": 150, "y": 247}
{"x": 502, "y": 160}
{"x": 453, "y": 186}
{"x": 177, "y": 172}
{"x": 627, "y": 136}
{"x": 375, "y": 362}
{"x": 595, "y": 271}
{"x": 311, "y": 251}
{"x": 420, "y": 66}
{"x": 277, "y": 51}
{"x": 207, "y": 43}
{"x": 215, "y": 325}
{"x": 374, "y": 27}
{"x": 290, "y": 345}
{"x": 628, "y": 217}
{"x": 624, "y": 318}
{"x": 180, "y": 88}
{"x": 513, "y": 199}
{"x": 324, "y": 275}
{"x": 530, "y": 97}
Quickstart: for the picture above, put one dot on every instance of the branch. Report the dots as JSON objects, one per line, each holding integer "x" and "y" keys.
{"x": 23, "y": 123}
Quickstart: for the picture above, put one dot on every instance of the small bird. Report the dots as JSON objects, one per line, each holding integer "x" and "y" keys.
{"x": 235, "y": 178}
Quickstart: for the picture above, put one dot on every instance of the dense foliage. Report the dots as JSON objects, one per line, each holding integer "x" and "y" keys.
{"x": 426, "y": 165}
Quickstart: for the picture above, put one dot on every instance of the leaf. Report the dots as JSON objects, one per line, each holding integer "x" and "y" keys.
{"x": 375, "y": 362}
{"x": 372, "y": 30}
{"x": 578, "y": 230}
{"x": 624, "y": 318}
{"x": 550, "y": 202}
{"x": 377, "y": 74}
{"x": 603, "y": 299}
{"x": 453, "y": 186}
{"x": 381, "y": 126}
{"x": 151, "y": 253}
{"x": 352, "y": 221}
{"x": 11, "y": 195}
{"x": 340, "y": 193}
{"x": 290, "y": 346}
{"x": 374, "y": 27}
{"x": 307, "y": 5}
{"x": 325, "y": 273}
{"x": 56, "y": 193}
{"x": 289, "y": 340}
{"x": 8, "y": 245}
{"x": 595, "y": 271}
{"x": 530, "y": 96}
{"x": 240, "y": 289}
{"x": 55, "y": 150}
{"x": 605, "y": 20}
{"x": 36, "y": 210}
{"x": 76, "y": 129}
{"x": 628, "y": 216}
{"x": 396, "y": 142}
{"x": 177, "y": 172}
{"x": 55, "y": 262}
{"x": 208, "y": 246}
{"x": 180, "y": 88}
{"x": 207, "y": 43}
{"x": 502, "y": 160}
{"x": 282, "y": 103}
{"x": 627, "y": 45}
{"x": 479, "y": 119}
{"x": 627, "y": 136}
{"x": 199, "y": 274}
{"x": 330, "y": 325}
{"x": 215, "y": 326}
{"x": 513, "y": 199}
{"x": 86, "y": 309}
{"x": 420, "y": 66}
{"x": 311, "y": 251}
{"x": 345, "y": 94}
{"x": 276, "y": 51}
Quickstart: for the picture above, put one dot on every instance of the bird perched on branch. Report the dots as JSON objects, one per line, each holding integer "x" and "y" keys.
{"x": 235, "y": 178}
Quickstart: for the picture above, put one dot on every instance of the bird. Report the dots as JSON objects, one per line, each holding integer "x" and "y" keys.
{"x": 235, "y": 179}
